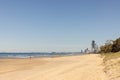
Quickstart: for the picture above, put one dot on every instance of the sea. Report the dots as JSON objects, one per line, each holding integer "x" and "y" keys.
{"x": 34, "y": 55}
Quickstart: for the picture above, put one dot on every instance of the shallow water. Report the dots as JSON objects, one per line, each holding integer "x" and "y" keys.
{"x": 28, "y": 55}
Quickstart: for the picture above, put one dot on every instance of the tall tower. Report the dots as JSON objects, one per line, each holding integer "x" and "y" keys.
{"x": 93, "y": 46}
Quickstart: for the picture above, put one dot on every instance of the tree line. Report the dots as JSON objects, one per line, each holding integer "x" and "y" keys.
{"x": 111, "y": 46}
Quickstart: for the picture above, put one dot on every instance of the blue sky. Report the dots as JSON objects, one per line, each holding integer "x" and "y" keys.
{"x": 57, "y": 25}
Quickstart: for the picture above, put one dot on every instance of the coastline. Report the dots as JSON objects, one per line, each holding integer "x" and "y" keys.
{"x": 83, "y": 67}
{"x": 42, "y": 56}
{"x": 34, "y": 55}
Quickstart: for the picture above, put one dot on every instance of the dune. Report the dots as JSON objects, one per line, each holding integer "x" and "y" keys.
{"x": 84, "y": 67}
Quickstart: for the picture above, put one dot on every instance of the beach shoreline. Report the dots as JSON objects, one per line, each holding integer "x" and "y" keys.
{"x": 83, "y": 67}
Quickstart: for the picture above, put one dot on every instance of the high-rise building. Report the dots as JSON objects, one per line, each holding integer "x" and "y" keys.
{"x": 94, "y": 47}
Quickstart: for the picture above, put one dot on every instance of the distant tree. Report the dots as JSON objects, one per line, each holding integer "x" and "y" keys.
{"x": 116, "y": 45}
{"x": 111, "y": 46}
{"x": 102, "y": 49}
{"x": 108, "y": 42}
{"x": 107, "y": 47}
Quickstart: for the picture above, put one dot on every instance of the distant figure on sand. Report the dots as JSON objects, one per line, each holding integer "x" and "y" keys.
{"x": 30, "y": 57}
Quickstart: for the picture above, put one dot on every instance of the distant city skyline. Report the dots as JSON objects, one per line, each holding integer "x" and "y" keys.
{"x": 57, "y": 25}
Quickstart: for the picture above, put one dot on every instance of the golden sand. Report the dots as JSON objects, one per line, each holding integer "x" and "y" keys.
{"x": 85, "y": 67}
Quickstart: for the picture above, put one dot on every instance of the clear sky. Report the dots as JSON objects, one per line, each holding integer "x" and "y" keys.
{"x": 57, "y": 25}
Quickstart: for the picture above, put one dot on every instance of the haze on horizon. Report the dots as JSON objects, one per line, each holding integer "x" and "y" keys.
{"x": 57, "y": 25}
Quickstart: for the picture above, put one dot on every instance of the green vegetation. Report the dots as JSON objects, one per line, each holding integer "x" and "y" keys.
{"x": 111, "y": 46}
{"x": 111, "y": 53}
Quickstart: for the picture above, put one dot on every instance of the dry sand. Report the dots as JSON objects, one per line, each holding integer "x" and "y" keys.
{"x": 85, "y": 67}
{"x": 112, "y": 69}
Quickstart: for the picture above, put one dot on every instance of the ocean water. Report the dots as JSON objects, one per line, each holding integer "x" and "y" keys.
{"x": 28, "y": 55}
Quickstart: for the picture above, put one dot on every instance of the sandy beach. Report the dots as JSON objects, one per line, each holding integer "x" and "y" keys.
{"x": 84, "y": 67}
